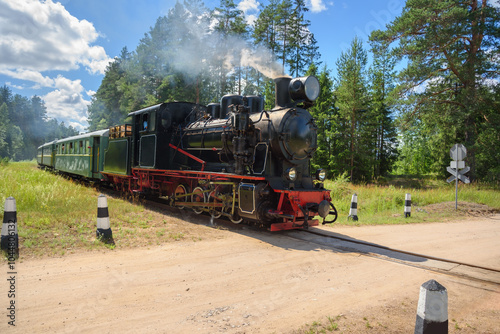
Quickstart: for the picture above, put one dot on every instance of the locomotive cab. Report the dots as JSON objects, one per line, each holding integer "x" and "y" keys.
{"x": 154, "y": 132}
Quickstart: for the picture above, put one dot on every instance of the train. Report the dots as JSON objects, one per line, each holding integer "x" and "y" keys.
{"x": 231, "y": 159}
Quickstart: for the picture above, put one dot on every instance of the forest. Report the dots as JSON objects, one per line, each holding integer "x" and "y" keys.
{"x": 24, "y": 126}
{"x": 429, "y": 80}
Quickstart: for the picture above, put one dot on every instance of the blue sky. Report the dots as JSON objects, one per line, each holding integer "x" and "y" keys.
{"x": 59, "y": 50}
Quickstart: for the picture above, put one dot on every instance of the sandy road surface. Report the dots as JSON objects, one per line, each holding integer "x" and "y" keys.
{"x": 255, "y": 282}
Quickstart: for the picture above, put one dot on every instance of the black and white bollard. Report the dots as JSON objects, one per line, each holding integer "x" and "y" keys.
{"x": 432, "y": 310}
{"x": 10, "y": 237}
{"x": 353, "y": 211}
{"x": 103, "y": 225}
{"x": 407, "y": 205}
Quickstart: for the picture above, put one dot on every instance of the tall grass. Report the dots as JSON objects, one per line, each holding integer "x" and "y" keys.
{"x": 57, "y": 215}
{"x": 384, "y": 203}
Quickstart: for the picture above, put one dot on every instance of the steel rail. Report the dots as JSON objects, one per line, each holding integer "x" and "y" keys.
{"x": 403, "y": 251}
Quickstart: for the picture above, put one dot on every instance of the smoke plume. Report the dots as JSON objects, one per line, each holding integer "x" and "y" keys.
{"x": 193, "y": 46}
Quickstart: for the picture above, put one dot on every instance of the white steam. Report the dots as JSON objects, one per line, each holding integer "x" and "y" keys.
{"x": 194, "y": 47}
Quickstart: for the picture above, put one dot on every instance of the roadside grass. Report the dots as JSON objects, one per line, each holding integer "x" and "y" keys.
{"x": 341, "y": 324}
{"x": 431, "y": 200}
{"x": 57, "y": 215}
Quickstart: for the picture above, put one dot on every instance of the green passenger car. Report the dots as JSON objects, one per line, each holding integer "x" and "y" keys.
{"x": 46, "y": 154}
{"x": 117, "y": 154}
{"x": 82, "y": 155}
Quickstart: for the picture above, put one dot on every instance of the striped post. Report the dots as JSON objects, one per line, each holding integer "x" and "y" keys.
{"x": 103, "y": 225}
{"x": 10, "y": 238}
{"x": 407, "y": 206}
{"x": 353, "y": 211}
{"x": 432, "y": 310}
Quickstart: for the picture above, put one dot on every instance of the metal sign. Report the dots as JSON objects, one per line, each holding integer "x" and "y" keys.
{"x": 458, "y": 152}
{"x": 459, "y": 174}
{"x": 457, "y": 168}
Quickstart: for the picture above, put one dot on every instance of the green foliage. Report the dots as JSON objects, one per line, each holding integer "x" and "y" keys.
{"x": 384, "y": 136}
{"x": 198, "y": 55}
{"x": 24, "y": 126}
{"x": 352, "y": 116}
{"x": 322, "y": 111}
{"x": 371, "y": 121}
{"x": 303, "y": 50}
{"x": 449, "y": 88}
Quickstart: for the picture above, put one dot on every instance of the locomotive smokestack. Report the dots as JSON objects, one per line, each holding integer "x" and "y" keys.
{"x": 282, "y": 94}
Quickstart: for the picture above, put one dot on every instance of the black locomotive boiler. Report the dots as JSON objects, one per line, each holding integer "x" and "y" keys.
{"x": 231, "y": 159}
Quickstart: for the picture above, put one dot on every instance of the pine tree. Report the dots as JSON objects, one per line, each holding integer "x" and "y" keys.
{"x": 451, "y": 47}
{"x": 231, "y": 23}
{"x": 322, "y": 111}
{"x": 24, "y": 125}
{"x": 382, "y": 77}
{"x": 265, "y": 33}
{"x": 302, "y": 44}
{"x": 285, "y": 21}
{"x": 351, "y": 94}
{"x": 4, "y": 126}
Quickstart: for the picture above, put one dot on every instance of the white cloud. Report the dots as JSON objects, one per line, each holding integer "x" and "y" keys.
{"x": 248, "y": 5}
{"x": 29, "y": 75}
{"x": 66, "y": 102}
{"x": 38, "y": 36}
{"x": 251, "y": 10}
{"x": 494, "y": 3}
{"x": 317, "y": 6}
{"x": 251, "y": 19}
{"x": 8, "y": 83}
{"x": 42, "y": 36}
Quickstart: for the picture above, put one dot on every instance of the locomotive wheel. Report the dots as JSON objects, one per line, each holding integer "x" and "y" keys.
{"x": 212, "y": 198}
{"x": 181, "y": 190}
{"x": 198, "y": 196}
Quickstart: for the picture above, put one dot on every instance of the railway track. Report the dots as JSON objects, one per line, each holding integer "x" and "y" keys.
{"x": 449, "y": 267}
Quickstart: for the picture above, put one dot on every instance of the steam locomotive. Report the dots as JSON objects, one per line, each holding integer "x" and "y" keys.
{"x": 231, "y": 159}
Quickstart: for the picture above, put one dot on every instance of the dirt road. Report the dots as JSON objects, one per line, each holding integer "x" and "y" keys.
{"x": 245, "y": 281}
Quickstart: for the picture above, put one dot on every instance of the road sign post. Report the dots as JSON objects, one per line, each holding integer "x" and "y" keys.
{"x": 457, "y": 168}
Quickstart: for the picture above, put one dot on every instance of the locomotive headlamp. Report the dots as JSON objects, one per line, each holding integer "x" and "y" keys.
{"x": 304, "y": 88}
{"x": 321, "y": 175}
{"x": 291, "y": 174}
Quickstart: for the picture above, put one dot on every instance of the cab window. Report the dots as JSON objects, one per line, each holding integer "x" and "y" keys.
{"x": 148, "y": 121}
{"x": 145, "y": 122}
{"x": 152, "y": 121}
